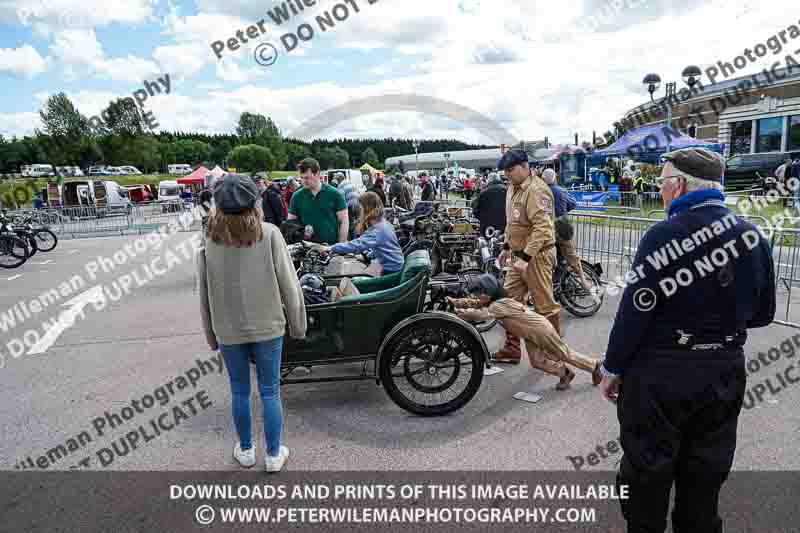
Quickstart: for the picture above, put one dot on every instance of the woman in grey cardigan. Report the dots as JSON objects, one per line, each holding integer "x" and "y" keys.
{"x": 247, "y": 280}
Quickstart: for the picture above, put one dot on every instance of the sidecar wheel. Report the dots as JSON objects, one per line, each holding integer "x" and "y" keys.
{"x": 432, "y": 366}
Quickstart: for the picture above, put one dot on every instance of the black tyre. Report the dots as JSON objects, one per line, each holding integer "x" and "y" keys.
{"x": 46, "y": 240}
{"x": 571, "y": 293}
{"x": 432, "y": 366}
{"x": 13, "y": 251}
{"x": 33, "y": 246}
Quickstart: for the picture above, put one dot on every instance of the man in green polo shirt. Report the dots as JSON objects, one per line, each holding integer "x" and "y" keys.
{"x": 319, "y": 205}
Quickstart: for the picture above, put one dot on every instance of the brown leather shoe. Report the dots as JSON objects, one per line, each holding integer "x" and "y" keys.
{"x": 566, "y": 379}
{"x": 597, "y": 376}
{"x": 505, "y": 358}
{"x": 511, "y": 353}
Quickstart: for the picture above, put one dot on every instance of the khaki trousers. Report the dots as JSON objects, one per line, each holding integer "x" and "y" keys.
{"x": 546, "y": 350}
{"x": 536, "y": 281}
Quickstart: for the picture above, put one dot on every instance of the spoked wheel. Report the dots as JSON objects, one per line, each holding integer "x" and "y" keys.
{"x": 432, "y": 366}
{"x": 576, "y": 298}
{"x": 45, "y": 239}
{"x": 13, "y": 251}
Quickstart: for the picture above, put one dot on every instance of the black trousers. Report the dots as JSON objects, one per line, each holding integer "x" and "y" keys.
{"x": 678, "y": 414}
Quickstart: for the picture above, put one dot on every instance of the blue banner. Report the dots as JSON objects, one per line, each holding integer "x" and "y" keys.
{"x": 590, "y": 201}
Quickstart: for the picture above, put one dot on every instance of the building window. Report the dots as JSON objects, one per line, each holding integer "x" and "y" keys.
{"x": 793, "y": 142}
{"x": 768, "y": 135}
{"x": 741, "y": 135}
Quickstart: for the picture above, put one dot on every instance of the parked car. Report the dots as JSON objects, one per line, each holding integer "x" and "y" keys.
{"x": 129, "y": 170}
{"x": 742, "y": 171}
{"x": 99, "y": 170}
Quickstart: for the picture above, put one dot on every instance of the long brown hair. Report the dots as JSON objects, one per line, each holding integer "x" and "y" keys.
{"x": 241, "y": 230}
{"x": 371, "y": 210}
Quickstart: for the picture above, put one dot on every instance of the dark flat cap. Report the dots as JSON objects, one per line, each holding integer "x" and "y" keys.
{"x": 512, "y": 158}
{"x": 235, "y": 194}
{"x": 486, "y": 284}
{"x": 699, "y": 162}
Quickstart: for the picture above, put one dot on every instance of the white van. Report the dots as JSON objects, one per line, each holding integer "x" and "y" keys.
{"x": 36, "y": 171}
{"x": 179, "y": 170}
{"x": 352, "y": 175}
{"x": 95, "y": 197}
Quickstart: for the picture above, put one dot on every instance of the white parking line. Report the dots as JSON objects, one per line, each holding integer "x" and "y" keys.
{"x": 72, "y": 252}
{"x": 12, "y": 278}
{"x": 49, "y": 261}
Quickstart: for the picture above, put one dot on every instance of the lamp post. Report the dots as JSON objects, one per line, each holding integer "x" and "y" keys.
{"x": 691, "y": 76}
{"x": 415, "y": 143}
{"x": 446, "y": 161}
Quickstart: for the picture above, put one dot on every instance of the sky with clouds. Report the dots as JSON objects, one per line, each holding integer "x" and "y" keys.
{"x": 534, "y": 67}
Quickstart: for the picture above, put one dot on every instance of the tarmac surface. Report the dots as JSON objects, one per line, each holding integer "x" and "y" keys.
{"x": 127, "y": 350}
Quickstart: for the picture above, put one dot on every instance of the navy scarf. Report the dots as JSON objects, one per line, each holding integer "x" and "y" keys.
{"x": 686, "y": 202}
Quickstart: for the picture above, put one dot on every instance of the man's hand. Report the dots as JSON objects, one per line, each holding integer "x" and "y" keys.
{"x": 503, "y": 258}
{"x": 324, "y": 250}
{"x": 609, "y": 388}
{"x": 471, "y": 315}
{"x": 520, "y": 266}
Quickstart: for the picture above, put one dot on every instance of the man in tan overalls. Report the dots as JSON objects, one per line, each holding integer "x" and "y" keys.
{"x": 529, "y": 245}
{"x": 546, "y": 350}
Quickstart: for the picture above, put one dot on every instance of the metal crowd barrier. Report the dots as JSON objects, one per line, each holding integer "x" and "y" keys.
{"x": 92, "y": 221}
{"x": 786, "y": 253}
{"x": 613, "y": 241}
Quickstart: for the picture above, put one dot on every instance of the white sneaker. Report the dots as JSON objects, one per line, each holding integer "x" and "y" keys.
{"x": 275, "y": 464}
{"x": 246, "y": 458}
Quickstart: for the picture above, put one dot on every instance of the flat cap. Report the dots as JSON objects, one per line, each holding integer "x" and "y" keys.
{"x": 512, "y": 158}
{"x": 699, "y": 162}
{"x": 235, "y": 194}
{"x": 487, "y": 284}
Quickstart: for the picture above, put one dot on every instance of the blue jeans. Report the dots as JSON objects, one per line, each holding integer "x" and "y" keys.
{"x": 268, "y": 369}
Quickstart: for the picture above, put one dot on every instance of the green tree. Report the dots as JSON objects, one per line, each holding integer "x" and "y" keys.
{"x": 64, "y": 129}
{"x": 370, "y": 157}
{"x": 220, "y": 151}
{"x": 121, "y": 117}
{"x": 251, "y": 126}
{"x": 251, "y": 158}
{"x": 333, "y": 157}
{"x": 296, "y": 153}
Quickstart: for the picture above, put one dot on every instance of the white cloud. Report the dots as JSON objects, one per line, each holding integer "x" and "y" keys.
{"x": 19, "y": 124}
{"x": 79, "y": 52}
{"x": 529, "y": 65}
{"x": 47, "y": 16}
{"x": 24, "y": 62}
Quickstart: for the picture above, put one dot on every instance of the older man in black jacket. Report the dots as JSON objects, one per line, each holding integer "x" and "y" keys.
{"x": 675, "y": 363}
{"x": 490, "y": 206}
{"x": 272, "y": 204}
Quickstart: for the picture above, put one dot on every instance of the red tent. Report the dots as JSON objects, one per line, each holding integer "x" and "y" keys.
{"x": 198, "y": 177}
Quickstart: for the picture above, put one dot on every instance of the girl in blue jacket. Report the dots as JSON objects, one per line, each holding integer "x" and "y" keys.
{"x": 376, "y": 236}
